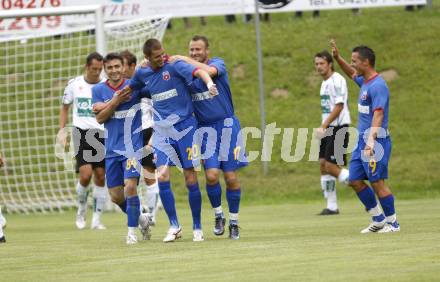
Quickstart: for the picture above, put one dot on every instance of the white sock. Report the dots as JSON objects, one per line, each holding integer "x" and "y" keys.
{"x": 391, "y": 218}
{"x": 132, "y": 230}
{"x": 233, "y": 216}
{"x": 324, "y": 179}
{"x": 82, "y": 193}
{"x": 376, "y": 211}
{"x": 343, "y": 176}
{"x": 218, "y": 210}
{"x": 152, "y": 198}
{"x": 330, "y": 188}
{"x": 100, "y": 197}
{"x": 1, "y": 231}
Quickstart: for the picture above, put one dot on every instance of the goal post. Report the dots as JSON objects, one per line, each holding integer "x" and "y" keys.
{"x": 35, "y": 70}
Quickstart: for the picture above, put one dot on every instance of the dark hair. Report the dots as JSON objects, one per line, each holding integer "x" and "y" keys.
{"x": 202, "y": 38}
{"x": 366, "y": 52}
{"x": 93, "y": 56}
{"x": 113, "y": 56}
{"x": 129, "y": 57}
{"x": 150, "y": 45}
{"x": 326, "y": 56}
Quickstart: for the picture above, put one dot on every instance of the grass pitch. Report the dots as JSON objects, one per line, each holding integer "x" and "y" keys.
{"x": 279, "y": 242}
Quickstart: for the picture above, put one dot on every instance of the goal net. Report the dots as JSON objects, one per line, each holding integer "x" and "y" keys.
{"x": 38, "y": 175}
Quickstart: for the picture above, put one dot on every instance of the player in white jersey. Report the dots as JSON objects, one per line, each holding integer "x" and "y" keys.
{"x": 152, "y": 191}
{"x": 2, "y": 218}
{"x": 333, "y": 131}
{"x": 88, "y": 140}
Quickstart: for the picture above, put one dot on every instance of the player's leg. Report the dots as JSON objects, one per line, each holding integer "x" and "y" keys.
{"x": 366, "y": 195}
{"x": 99, "y": 197}
{"x": 149, "y": 170}
{"x": 235, "y": 159}
{"x": 233, "y": 197}
{"x": 188, "y": 152}
{"x": 168, "y": 202}
{"x": 195, "y": 202}
{"x": 386, "y": 199}
{"x": 214, "y": 191}
{"x": 82, "y": 191}
{"x": 135, "y": 217}
{"x": 328, "y": 186}
{"x": 114, "y": 173}
{"x": 377, "y": 170}
{"x": 2, "y": 226}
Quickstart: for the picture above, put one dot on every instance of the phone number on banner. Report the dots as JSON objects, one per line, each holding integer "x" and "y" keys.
{"x": 29, "y": 24}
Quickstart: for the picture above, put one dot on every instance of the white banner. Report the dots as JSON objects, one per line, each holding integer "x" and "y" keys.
{"x": 115, "y": 10}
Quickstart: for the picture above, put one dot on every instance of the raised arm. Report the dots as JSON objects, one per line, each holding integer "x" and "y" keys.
{"x": 212, "y": 71}
{"x": 346, "y": 67}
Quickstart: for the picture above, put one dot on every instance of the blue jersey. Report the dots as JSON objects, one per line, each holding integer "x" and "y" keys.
{"x": 121, "y": 141}
{"x": 210, "y": 109}
{"x": 374, "y": 95}
{"x": 168, "y": 88}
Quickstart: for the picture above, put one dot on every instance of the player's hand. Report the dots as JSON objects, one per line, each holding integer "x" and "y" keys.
{"x": 145, "y": 63}
{"x": 123, "y": 95}
{"x": 213, "y": 91}
{"x": 96, "y": 108}
{"x": 369, "y": 150}
{"x": 320, "y": 132}
{"x": 335, "y": 51}
{"x": 62, "y": 137}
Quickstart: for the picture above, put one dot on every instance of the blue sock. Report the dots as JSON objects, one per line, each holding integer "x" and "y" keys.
{"x": 123, "y": 206}
{"x": 387, "y": 204}
{"x": 195, "y": 202}
{"x": 214, "y": 194}
{"x": 169, "y": 205}
{"x": 233, "y": 198}
{"x": 133, "y": 211}
{"x": 368, "y": 198}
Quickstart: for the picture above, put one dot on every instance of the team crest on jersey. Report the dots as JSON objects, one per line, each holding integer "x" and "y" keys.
{"x": 364, "y": 96}
{"x": 166, "y": 75}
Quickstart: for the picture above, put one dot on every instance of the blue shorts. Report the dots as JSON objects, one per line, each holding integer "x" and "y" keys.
{"x": 372, "y": 169}
{"x": 222, "y": 145}
{"x": 176, "y": 146}
{"x": 119, "y": 168}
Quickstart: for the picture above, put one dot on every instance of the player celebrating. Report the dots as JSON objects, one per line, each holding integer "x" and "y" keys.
{"x": 87, "y": 136}
{"x": 152, "y": 193}
{"x": 121, "y": 120}
{"x": 228, "y": 154}
{"x": 370, "y": 158}
{"x": 333, "y": 130}
{"x": 174, "y": 126}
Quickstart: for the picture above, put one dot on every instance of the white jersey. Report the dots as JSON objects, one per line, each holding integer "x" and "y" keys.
{"x": 334, "y": 91}
{"x": 79, "y": 93}
{"x": 147, "y": 113}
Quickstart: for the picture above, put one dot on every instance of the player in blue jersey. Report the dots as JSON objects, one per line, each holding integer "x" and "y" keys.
{"x": 174, "y": 126}
{"x": 223, "y": 148}
{"x": 369, "y": 161}
{"x": 121, "y": 116}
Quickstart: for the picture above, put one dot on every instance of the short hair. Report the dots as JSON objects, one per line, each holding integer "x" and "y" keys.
{"x": 150, "y": 45}
{"x": 202, "y": 38}
{"x": 113, "y": 56}
{"x": 326, "y": 56}
{"x": 366, "y": 52}
{"x": 129, "y": 57}
{"x": 93, "y": 56}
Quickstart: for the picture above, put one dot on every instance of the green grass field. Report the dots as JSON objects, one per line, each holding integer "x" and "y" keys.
{"x": 285, "y": 242}
{"x": 282, "y": 239}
